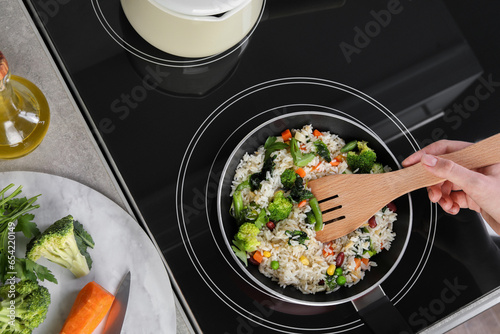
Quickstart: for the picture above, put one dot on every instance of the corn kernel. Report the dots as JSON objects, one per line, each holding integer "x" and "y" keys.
{"x": 266, "y": 254}
{"x": 304, "y": 260}
{"x": 331, "y": 270}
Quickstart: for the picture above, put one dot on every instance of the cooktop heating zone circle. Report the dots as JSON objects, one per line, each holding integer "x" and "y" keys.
{"x": 241, "y": 113}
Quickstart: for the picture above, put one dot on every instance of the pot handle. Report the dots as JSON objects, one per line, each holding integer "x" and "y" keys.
{"x": 379, "y": 314}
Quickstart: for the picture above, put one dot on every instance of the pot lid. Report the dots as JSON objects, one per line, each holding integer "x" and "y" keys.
{"x": 200, "y": 7}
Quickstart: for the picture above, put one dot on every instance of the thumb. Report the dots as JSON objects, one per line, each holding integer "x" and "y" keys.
{"x": 462, "y": 177}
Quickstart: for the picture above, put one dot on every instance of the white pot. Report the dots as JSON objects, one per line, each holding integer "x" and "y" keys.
{"x": 192, "y": 28}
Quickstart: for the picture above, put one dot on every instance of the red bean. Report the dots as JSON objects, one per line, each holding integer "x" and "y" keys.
{"x": 340, "y": 259}
{"x": 391, "y": 206}
{"x": 270, "y": 225}
{"x": 372, "y": 222}
{"x": 253, "y": 261}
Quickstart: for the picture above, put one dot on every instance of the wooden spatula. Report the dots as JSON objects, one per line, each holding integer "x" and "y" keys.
{"x": 347, "y": 201}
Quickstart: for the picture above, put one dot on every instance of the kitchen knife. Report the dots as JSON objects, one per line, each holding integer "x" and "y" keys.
{"x": 118, "y": 309}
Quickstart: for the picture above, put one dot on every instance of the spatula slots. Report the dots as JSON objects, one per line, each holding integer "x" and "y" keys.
{"x": 347, "y": 201}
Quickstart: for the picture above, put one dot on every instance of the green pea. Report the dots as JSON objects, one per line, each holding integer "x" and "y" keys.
{"x": 339, "y": 271}
{"x": 341, "y": 280}
{"x": 275, "y": 265}
{"x": 349, "y": 146}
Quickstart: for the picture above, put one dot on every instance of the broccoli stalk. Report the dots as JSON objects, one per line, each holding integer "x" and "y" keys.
{"x": 23, "y": 307}
{"x": 237, "y": 207}
{"x": 65, "y": 243}
{"x": 362, "y": 160}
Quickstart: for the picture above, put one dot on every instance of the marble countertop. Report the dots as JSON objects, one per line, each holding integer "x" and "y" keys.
{"x": 69, "y": 149}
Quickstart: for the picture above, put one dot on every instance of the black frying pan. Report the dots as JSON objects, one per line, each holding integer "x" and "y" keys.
{"x": 348, "y": 130}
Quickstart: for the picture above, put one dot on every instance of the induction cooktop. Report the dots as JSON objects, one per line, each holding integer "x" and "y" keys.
{"x": 164, "y": 121}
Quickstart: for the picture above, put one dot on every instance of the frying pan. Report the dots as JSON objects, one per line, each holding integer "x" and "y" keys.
{"x": 367, "y": 294}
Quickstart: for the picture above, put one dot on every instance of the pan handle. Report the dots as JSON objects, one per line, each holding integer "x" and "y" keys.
{"x": 379, "y": 314}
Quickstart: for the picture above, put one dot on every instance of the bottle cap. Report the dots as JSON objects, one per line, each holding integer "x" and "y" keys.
{"x": 4, "y": 67}
{"x": 4, "y": 71}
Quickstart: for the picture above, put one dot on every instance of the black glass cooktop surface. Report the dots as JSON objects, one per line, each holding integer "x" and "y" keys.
{"x": 411, "y": 72}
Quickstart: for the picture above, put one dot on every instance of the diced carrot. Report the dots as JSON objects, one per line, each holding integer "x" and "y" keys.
{"x": 257, "y": 256}
{"x": 358, "y": 262}
{"x": 302, "y": 203}
{"x": 316, "y": 133}
{"x": 314, "y": 168}
{"x": 91, "y": 305}
{"x": 328, "y": 250}
{"x": 301, "y": 172}
{"x": 365, "y": 261}
{"x": 286, "y": 135}
{"x": 334, "y": 162}
{"x": 340, "y": 158}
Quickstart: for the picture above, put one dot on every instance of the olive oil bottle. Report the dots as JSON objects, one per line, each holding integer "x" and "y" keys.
{"x": 24, "y": 114}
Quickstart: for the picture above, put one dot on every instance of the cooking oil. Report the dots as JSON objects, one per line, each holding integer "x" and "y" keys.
{"x": 24, "y": 114}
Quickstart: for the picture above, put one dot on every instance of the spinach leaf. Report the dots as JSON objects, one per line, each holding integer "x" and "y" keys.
{"x": 322, "y": 150}
{"x": 298, "y": 191}
{"x": 257, "y": 178}
{"x": 298, "y": 236}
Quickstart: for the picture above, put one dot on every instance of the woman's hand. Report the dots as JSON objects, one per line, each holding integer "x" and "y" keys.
{"x": 478, "y": 190}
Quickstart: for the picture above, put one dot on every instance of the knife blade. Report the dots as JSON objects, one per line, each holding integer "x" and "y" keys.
{"x": 118, "y": 309}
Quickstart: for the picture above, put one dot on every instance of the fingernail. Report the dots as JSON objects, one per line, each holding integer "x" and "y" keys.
{"x": 429, "y": 160}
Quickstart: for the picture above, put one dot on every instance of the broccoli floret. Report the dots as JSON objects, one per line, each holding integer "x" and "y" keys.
{"x": 280, "y": 207}
{"x": 363, "y": 159}
{"x": 288, "y": 178}
{"x": 377, "y": 168}
{"x": 246, "y": 241}
{"x": 310, "y": 218}
{"x": 247, "y": 236}
{"x": 23, "y": 307}
{"x": 65, "y": 243}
